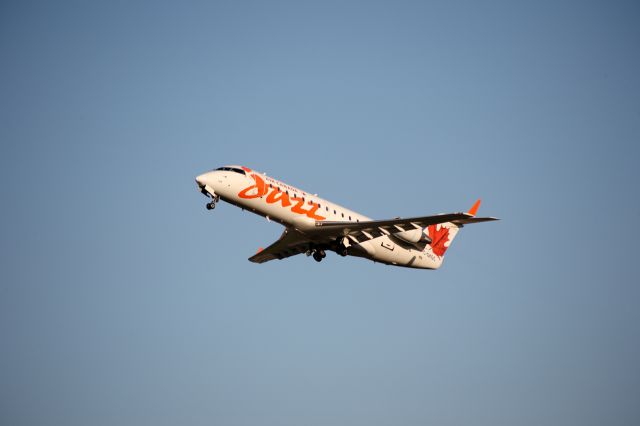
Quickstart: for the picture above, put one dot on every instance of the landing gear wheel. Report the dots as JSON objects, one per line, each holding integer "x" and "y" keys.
{"x": 342, "y": 251}
{"x": 318, "y": 255}
{"x": 214, "y": 200}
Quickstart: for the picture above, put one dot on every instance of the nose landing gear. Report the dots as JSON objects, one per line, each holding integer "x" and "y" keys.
{"x": 212, "y": 204}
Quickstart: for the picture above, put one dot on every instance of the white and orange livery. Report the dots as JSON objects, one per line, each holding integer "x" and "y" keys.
{"x": 314, "y": 225}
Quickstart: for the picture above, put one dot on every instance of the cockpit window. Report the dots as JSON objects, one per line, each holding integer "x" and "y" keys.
{"x": 232, "y": 169}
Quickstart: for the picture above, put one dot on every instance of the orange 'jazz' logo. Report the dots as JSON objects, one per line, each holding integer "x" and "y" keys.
{"x": 438, "y": 239}
{"x": 260, "y": 189}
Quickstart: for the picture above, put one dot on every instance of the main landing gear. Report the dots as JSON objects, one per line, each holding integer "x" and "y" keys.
{"x": 318, "y": 252}
{"x": 318, "y": 255}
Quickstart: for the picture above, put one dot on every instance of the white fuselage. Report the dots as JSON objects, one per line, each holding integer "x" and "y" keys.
{"x": 297, "y": 209}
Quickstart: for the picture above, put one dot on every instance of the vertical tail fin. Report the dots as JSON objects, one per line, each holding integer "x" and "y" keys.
{"x": 442, "y": 235}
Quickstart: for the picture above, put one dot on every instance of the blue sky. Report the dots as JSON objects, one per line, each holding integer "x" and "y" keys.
{"x": 123, "y": 301}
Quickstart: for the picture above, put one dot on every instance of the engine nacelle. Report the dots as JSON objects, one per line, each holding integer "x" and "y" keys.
{"x": 414, "y": 236}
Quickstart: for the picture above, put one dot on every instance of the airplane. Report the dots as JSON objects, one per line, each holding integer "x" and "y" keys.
{"x": 314, "y": 226}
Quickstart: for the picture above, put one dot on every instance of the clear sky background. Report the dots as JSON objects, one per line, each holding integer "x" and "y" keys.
{"x": 124, "y": 302}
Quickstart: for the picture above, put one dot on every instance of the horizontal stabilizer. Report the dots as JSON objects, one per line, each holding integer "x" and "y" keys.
{"x": 473, "y": 220}
{"x": 472, "y": 212}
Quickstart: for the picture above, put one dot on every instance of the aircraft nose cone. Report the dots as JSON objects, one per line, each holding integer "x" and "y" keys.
{"x": 205, "y": 179}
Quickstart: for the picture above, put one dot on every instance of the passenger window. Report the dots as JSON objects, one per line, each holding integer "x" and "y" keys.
{"x": 334, "y": 212}
{"x": 327, "y": 208}
{"x": 342, "y": 214}
{"x": 349, "y": 217}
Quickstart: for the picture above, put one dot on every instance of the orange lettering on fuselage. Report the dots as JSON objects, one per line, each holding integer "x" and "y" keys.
{"x": 260, "y": 189}
{"x": 309, "y": 213}
{"x": 312, "y": 213}
{"x": 277, "y": 195}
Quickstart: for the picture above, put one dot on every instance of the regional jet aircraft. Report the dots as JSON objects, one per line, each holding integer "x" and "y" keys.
{"x": 314, "y": 225}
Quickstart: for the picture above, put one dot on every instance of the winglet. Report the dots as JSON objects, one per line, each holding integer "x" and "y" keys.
{"x": 473, "y": 210}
